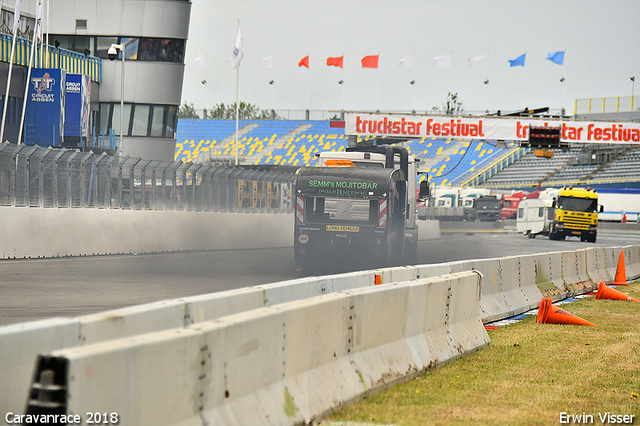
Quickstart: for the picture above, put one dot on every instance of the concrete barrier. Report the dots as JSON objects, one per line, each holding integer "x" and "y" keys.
{"x": 595, "y": 258}
{"x": 211, "y": 306}
{"x": 493, "y": 303}
{"x": 303, "y": 288}
{"x": 424, "y": 271}
{"x": 632, "y": 261}
{"x": 289, "y": 364}
{"x": 508, "y": 288}
{"x": 574, "y": 272}
{"x": 19, "y": 346}
{"x": 39, "y": 232}
{"x": 428, "y": 229}
{"x": 519, "y": 285}
{"x": 549, "y": 275}
{"x": 36, "y": 232}
{"x": 612, "y": 254}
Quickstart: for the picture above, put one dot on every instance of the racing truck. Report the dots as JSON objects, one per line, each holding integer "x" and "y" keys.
{"x": 357, "y": 207}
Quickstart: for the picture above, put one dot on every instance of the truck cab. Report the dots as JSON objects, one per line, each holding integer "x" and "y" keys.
{"x": 349, "y": 216}
{"x": 488, "y": 208}
{"x": 575, "y": 214}
{"x": 387, "y": 157}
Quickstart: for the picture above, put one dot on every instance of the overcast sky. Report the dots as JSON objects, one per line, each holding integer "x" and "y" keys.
{"x": 601, "y": 39}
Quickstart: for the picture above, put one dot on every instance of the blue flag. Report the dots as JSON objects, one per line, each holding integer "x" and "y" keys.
{"x": 556, "y": 57}
{"x": 517, "y": 62}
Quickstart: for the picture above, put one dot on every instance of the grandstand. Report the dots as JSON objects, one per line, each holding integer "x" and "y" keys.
{"x": 449, "y": 162}
{"x": 296, "y": 143}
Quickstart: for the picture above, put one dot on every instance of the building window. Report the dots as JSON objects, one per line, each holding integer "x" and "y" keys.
{"x": 142, "y": 120}
{"x": 102, "y": 46}
{"x": 136, "y": 48}
{"x": 161, "y": 50}
{"x": 130, "y": 48}
{"x": 158, "y": 121}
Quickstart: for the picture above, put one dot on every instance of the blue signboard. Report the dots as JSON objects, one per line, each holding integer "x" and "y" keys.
{"x": 44, "y": 117}
{"x": 77, "y": 105}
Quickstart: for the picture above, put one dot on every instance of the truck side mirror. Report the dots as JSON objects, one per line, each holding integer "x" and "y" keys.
{"x": 601, "y": 208}
{"x": 424, "y": 190}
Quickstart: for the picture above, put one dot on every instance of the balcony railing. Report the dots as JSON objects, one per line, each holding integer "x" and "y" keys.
{"x": 73, "y": 62}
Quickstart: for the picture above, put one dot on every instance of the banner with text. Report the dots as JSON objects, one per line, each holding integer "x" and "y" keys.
{"x": 44, "y": 117}
{"x": 482, "y": 128}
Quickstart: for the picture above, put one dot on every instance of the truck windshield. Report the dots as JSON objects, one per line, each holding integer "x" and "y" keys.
{"x": 487, "y": 204}
{"x": 586, "y": 205}
{"x": 343, "y": 210}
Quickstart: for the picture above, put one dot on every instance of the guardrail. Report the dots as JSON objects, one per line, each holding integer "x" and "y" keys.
{"x": 613, "y": 104}
{"x": 339, "y": 337}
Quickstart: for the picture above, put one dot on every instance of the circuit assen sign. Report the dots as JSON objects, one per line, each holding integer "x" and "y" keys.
{"x": 514, "y": 129}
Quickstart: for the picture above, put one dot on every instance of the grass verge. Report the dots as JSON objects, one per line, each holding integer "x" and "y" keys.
{"x": 528, "y": 375}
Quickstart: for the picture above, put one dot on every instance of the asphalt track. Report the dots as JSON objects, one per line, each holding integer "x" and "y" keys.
{"x": 42, "y": 288}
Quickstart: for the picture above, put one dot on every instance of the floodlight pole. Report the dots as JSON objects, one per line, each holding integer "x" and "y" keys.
{"x": 120, "y": 47}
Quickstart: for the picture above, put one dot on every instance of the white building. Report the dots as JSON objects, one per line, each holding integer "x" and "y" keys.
{"x": 154, "y": 34}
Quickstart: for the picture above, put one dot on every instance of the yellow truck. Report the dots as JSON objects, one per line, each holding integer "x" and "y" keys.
{"x": 575, "y": 214}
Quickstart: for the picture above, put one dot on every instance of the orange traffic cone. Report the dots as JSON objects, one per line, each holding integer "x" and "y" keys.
{"x": 606, "y": 292}
{"x": 621, "y": 274}
{"x": 549, "y": 314}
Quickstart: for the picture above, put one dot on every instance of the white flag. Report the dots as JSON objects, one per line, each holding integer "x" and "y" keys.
{"x": 200, "y": 62}
{"x": 39, "y": 20}
{"x": 406, "y": 62}
{"x": 16, "y": 15}
{"x": 238, "y": 53}
{"x": 443, "y": 61}
{"x": 479, "y": 61}
{"x": 268, "y": 62}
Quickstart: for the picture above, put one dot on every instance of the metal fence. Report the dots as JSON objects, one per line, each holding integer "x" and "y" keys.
{"x": 32, "y": 176}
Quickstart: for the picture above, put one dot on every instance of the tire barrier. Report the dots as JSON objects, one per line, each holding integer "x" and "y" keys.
{"x": 287, "y": 364}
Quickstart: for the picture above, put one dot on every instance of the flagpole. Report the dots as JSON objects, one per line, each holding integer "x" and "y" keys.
{"x": 26, "y": 86}
{"x": 237, "y": 107}
{"x": 378, "y": 88}
{"x": 563, "y": 86}
{"x": 6, "y": 98}
{"x": 47, "y": 36}
{"x": 342, "y": 87}
{"x": 451, "y": 75}
{"x": 237, "y": 100}
{"x": 525, "y": 84}
{"x": 487, "y": 79}
{"x": 413, "y": 85}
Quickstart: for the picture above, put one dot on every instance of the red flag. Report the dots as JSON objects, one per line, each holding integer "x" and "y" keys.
{"x": 304, "y": 62}
{"x": 370, "y": 61}
{"x": 336, "y": 62}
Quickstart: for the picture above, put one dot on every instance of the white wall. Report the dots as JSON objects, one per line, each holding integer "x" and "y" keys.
{"x": 35, "y": 232}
